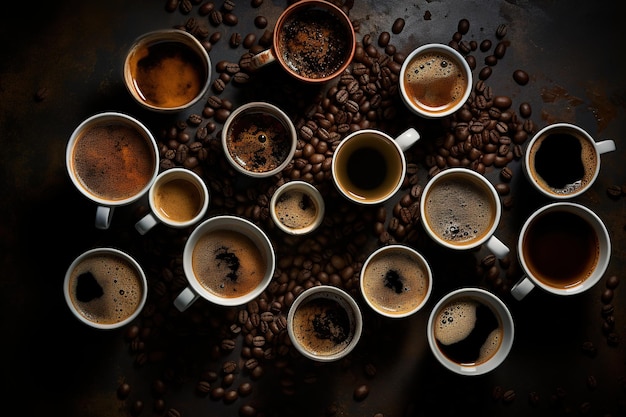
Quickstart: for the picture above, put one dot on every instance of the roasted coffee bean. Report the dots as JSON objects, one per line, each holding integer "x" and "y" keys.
{"x": 206, "y": 8}
{"x": 203, "y": 387}
{"x": 589, "y": 349}
{"x": 496, "y": 393}
{"x": 361, "y": 392}
{"x": 260, "y": 22}
{"x": 185, "y": 6}
{"x": 502, "y": 102}
{"x": 520, "y": 77}
{"x": 607, "y": 296}
{"x": 123, "y": 391}
{"x": 508, "y": 396}
{"x": 491, "y": 60}
{"x": 614, "y": 191}
{"x": 463, "y": 26}
{"x": 171, "y": 5}
{"x": 235, "y": 40}
{"x": 484, "y": 73}
{"x": 471, "y": 61}
{"x": 485, "y": 45}
{"x": 533, "y": 398}
{"x": 612, "y": 282}
{"x": 256, "y": 3}
{"x": 506, "y": 174}
{"x": 383, "y": 39}
{"x": 500, "y": 50}
{"x": 501, "y": 31}
{"x": 397, "y": 26}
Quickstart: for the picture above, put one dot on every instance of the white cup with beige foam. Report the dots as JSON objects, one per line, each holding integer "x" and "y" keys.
{"x": 297, "y": 208}
{"x": 178, "y": 198}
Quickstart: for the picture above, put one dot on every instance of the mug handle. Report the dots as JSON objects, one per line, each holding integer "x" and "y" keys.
{"x": 407, "y": 138}
{"x": 144, "y": 225}
{"x": 522, "y": 288}
{"x": 104, "y": 214}
{"x": 605, "y": 146}
{"x": 185, "y": 299}
{"x": 262, "y": 58}
{"x": 496, "y": 247}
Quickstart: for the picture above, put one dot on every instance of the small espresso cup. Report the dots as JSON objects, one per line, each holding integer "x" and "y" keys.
{"x": 178, "y": 198}
{"x": 470, "y": 331}
{"x": 105, "y": 288}
{"x": 297, "y": 208}
{"x": 369, "y": 166}
{"x": 313, "y": 41}
{"x": 396, "y": 281}
{"x": 259, "y": 139}
{"x": 460, "y": 209}
{"x": 435, "y": 81}
{"x": 112, "y": 159}
{"x": 228, "y": 261}
{"x": 324, "y": 323}
{"x": 562, "y": 160}
{"x": 167, "y": 70}
{"x": 564, "y": 248}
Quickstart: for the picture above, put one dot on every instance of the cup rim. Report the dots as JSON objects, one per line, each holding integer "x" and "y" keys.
{"x": 504, "y": 317}
{"x": 457, "y": 56}
{"x": 254, "y": 232}
{"x": 176, "y": 35}
{"x": 415, "y": 253}
{"x": 563, "y": 126}
{"x": 344, "y": 299}
{"x": 324, "y": 5}
{"x": 127, "y": 257}
{"x": 598, "y": 226}
{"x": 115, "y": 117}
{"x": 190, "y": 176}
{"x": 383, "y": 136}
{"x": 496, "y": 198}
{"x": 309, "y": 190}
{"x": 276, "y": 111}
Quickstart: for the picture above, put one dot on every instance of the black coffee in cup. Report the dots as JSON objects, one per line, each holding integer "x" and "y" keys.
{"x": 467, "y": 331}
{"x": 561, "y": 249}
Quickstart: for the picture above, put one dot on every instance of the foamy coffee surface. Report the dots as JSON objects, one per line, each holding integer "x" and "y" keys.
{"x": 105, "y": 288}
{"x": 459, "y": 210}
{"x": 458, "y": 324}
{"x": 435, "y": 81}
{"x": 395, "y": 282}
{"x": 322, "y": 326}
{"x": 295, "y": 209}
{"x": 228, "y": 263}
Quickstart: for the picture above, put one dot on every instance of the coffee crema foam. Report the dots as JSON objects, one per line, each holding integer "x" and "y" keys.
{"x": 435, "y": 82}
{"x": 322, "y": 326}
{"x": 456, "y": 323}
{"x": 105, "y": 288}
{"x": 295, "y": 209}
{"x": 228, "y": 263}
{"x": 459, "y": 210}
{"x": 178, "y": 200}
{"x": 395, "y": 282}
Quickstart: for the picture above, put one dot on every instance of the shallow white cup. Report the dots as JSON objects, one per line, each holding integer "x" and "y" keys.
{"x": 583, "y": 154}
{"x": 458, "y": 208}
{"x": 572, "y": 240}
{"x": 298, "y": 189}
{"x": 240, "y": 227}
{"x": 178, "y": 198}
{"x": 369, "y": 166}
{"x": 496, "y": 346}
{"x": 300, "y": 326}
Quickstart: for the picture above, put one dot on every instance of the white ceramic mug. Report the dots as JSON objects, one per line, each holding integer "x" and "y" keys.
{"x": 460, "y": 209}
{"x": 297, "y": 208}
{"x": 112, "y": 159}
{"x": 324, "y": 323}
{"x": 435, "y": 81}
{"x": 470, "y": 314}
{"x": 564, "y": 248}
{"x": 227, "y": 260}
{"x": 396, "y": 281}
{"x": 178, "y": 198}
{"x": 562, "y": 160}
{"x": 105, "y": 288}
{"x": 369, "y": 166}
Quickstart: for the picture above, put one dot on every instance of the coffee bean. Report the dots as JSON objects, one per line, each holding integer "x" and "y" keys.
{"x": 485, "y": 45}
{"x": 506, "y": 174}
{"x": 206, "y": 8}
{"x": 256, "y": 3}
{"x": 203, "y": 387}
{"x": 383, "y": 39}
{"x": 496, "y": 392}
{"x": 123, "y": 391}
{"x": 533, "y": 398}
{"x": 614, "y": 191}
{"x": 463, "y": 26}
{"x": 397, "y": 26}
{"x": 612, "y": 282}
{"x": 484, "y": 73}
{"x": 361, "y": 392}
{"x": 491, "y": 60}
{"x": 589, "y": 349}
{"x": 501, "y": 31}
{"x": 500, "y": 50}
{"x": 508, "y": 396}
{"x": 607, "y": 296}
{"x": 520, "y": 77}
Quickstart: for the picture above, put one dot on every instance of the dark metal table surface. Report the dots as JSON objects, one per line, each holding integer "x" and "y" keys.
{"x": 61, "y": 62}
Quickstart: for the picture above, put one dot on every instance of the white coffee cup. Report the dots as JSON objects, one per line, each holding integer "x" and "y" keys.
{"x": 396, "y": 281}
{"x": 227, "y": 260}
{"x": 112, "y": 159}
{"x": 460, "y": 209}
{"x": 297, "y": 208}
{"x": 562, "y": 160}
{"x": 369, "y": 166}
{"x": 435, "y": 81}
{"x": 259, "y": 139}
{"x": 310, "y": 315}
{"x": 476, "y": 312}
{"x": 178, "y": 198}
{"x": 564, "y": 248}
{"x": 105, "y": 288}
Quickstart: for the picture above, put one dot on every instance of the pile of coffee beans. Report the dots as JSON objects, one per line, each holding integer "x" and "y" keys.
{"x": 222, "y": 352}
